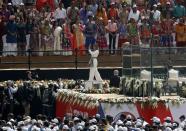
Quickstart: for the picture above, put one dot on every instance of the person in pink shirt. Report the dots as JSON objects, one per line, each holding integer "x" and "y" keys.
{"x": 112, "y": 30}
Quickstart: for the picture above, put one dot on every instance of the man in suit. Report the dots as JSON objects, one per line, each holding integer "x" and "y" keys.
{"x": 115, "y": 79}
{"x": 9, "y": 92}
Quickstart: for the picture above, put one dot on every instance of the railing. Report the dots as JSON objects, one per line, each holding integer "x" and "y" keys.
{"x": 74, "y": 61}
{"x": 154, "y": 57}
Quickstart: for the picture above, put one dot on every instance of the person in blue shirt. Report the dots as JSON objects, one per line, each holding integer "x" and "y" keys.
{"x": 90, "y": 31}
{"x": 11, "y": 38}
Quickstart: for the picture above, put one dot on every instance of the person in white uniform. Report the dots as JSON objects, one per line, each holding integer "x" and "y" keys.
{"x": 93, "y": 64}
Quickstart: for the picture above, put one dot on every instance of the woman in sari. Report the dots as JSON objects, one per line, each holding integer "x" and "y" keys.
{"x": 122, "y": 30}
{"x": 133, "y": 32}
{"x": 101, "y": 13}
{"x": 79, "y": 38}
{"x": 101, "y": 32}
{"x": 34, "y": 38}
{"x": 46, "y": 38}
{"x": 67, "y": 39}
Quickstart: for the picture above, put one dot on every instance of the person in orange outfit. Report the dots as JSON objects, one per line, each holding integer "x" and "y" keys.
{"x": 101, "y": 13}
{"x": 113, "y": 12}
{"x": 180, "y": 33}
{"x": 67, "y": 39}
{"x": 79, "y": 38}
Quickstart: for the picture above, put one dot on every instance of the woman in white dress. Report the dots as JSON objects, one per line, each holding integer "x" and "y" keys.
{"x": 93, "y": 64}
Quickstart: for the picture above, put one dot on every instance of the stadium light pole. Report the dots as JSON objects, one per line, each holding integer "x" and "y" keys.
{"x": 151, "y": 64}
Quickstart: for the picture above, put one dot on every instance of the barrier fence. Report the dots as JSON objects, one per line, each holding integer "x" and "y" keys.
{"x": 133, "y": 57}
{"x": 75, "y": 57}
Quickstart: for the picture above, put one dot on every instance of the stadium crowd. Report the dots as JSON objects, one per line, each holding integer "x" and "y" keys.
{"x": 109, "y": 23}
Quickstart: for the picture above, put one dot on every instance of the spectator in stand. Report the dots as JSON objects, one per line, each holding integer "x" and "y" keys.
{"x": 180, "y": 33}
{"x": 29, "y": 26}
{"x": 2, "y": 33}
{"x": 57, "y": 40}
{"x": 67, "y": 38}
{"x": 90, "y": 31}
{"x": 169, "y": 29}
{"x": 163, "y": 33}
{"x": 133, "y": 33}
{"x": 168, "y": 9}
{"x": 123, "y": 14}
{"x": 112, "y": 29}
{"x": 20, "y": 12}
{"x": 101, "y": 13}
{"x": 156, "y": 14}
{"x": 60, "y": 14}
{"x": 146, "y": 12}
{"x": 21, "y": 36}
{"x": 134, "y": 13}
{"x": 156, "y": 29}
{"x": 73, "y": 13}
{"x": 5, "y": 13}
{"x": 34, "y": 37}
{"x": 145, "y": 32}
{"x": 123, "y": 36}
{"x": 141, "y": 4}
{"x": 151, "y": 3}
{"x": 179, "y": 10}
{"x": 11, "y": 9}
{"x": 46, "y": 37}
{"x": 84, "y": 13}
{"x": 79, "y": 39}
{"x": 116, "y": 8}
{"x": 93, "y": 7}
{"x": 101, "y": 32}
{"x": 113, "y": 11}
{"x": 11, "y": 37}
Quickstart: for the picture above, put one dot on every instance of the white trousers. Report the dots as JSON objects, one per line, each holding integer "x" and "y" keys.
{"x": 27, "y": 41}
{"x": 94, "y": 73}
{"x": 10, "y": 47}
{"x": 57, "y": 46}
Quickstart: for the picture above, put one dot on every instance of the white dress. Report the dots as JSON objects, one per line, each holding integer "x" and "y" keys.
{"x": 93, "y": 66}
{"x": 57, "y": 40}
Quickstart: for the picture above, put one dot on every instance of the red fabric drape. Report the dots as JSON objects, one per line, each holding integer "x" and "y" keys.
{"x": 63, "y": 108}
{"x": 41, "y": 3}
{"x": 147, "y": 111}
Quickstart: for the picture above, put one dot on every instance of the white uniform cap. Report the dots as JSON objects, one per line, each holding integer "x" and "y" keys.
{"x": 76, "y": 119}
{"x": 65, "y": 127}
{"x": 119, "y": 122}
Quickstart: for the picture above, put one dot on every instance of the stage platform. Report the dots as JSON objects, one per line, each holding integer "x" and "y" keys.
{"x": 75, "y": 103}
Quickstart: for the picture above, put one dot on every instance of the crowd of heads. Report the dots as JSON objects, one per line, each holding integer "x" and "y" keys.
{"x": 87, "y": 22}
{"x": 94, "y": 123}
